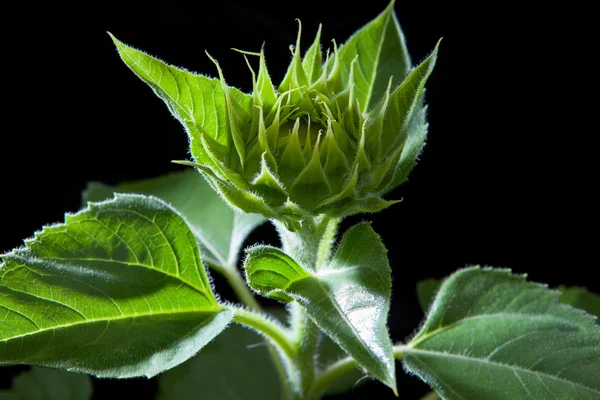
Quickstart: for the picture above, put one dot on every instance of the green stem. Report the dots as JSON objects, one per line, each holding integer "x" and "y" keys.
{"x": 271, "y": 329}
{"x": 311, "y": 247}
{"x": 244, "y": 294}
{"x": 341, "y": 368}
{"x": 238, "y": 284}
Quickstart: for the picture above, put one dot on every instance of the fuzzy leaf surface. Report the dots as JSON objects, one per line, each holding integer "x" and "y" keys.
{"x": 382, "y": 54}
{"x": 492, "y": 335}
{"x": 49, "y": 384}
{"x": 348, "y": 299}
{"x": 84, "y": 295}
{"x": 219, "y": 229}
{"x": 198, "y": 102}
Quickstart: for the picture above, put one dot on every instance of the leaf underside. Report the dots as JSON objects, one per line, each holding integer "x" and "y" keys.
{"x": 84, "y": 295}
{"x": 492, "y": 335}
{"x": 348, "y": 298}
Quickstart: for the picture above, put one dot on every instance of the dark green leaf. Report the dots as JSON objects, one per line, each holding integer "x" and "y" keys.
{"x": 329, "y": 353}
{"x": 118, "y": 290}
{"x": 492, "y": 335}
{"x": 426, "y": 291}
{"x": 49, "y": 384}
{"x": 581, "y": 298}
{"x": 219, "y": 229}
{"x": 235, "y": 365}
{"x": 348, "y": 298}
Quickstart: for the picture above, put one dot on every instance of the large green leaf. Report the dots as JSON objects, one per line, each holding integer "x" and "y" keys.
{"x": 348, "y": 299}
{"x": 49, "y": 384}
{"x": 118, "y": 290}
{"x": 235, "y": 365}
{"x": 382, "y": 53}
{"x": 492, "y": 335}
{"x": 219, "y": 229}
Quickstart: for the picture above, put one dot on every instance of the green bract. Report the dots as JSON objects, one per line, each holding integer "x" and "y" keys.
{"x": 332, "y": 138}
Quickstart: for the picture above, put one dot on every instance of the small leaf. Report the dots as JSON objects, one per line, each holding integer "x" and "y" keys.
{"x": 295, "y": 77}
{"x": 264, "y": 85}
{"x": 581, "y": 298}
{"x": 219, "y": 229}
{"x": 313, "y": 59}
{"x": 348, "y": 299}
{"x": 382, "y": 53}
{"x": 492, "y": 335}
{"x": 49, "y": 384}
{"x": 84, "y": 295}
{"x": 403, "y": 103}
{"x": 235, "y": 365}
{"x": 311, "y": 186}
{"x": 426, "y": 291}
{"x": 431, "y": 396}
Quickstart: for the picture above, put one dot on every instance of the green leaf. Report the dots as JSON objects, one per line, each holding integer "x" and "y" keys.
{"x": 198, "y": 102}
{"x": 219, "y": 229}
{"x": 492, "y": 335}
{"x": 49, "y": 384}
{"x": 382, "y": 53}
{"x": 235, "y": 365}
{"x": 581, "y": 298}
{"x": 426, "y": 291}
{"x": 348, "y": 298}
{"x": 118, "y": 290}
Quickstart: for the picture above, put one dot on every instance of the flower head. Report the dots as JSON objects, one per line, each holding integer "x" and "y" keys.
{"x": 337, "y": 134}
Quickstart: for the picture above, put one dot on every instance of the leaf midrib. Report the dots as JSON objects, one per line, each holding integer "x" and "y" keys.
{"x": 420, "y": 339}
{"x": 131, "y": 264}
{"x": 340, "y": 311}
{"x": 411, "y": 351}
{"x": 116, "y": 318}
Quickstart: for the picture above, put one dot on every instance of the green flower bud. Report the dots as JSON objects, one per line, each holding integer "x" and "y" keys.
{"x": 332, "y": 138}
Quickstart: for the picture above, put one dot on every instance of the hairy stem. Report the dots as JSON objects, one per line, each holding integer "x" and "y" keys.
{"x": 244, "y": 294}
{"x": 269, "y": 328}
{"x": 341, "y": 368}
{"x": 311, "y": 247}
{"x": 238, "y": 284}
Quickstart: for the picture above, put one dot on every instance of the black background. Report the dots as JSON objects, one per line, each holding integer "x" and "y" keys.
{"x": 507, "y": 177}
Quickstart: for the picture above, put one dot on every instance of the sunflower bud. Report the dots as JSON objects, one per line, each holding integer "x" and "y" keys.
{"x": 337, "y": 134}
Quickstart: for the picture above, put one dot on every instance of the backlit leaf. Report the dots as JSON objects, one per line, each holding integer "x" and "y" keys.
{"x": 492, "y": 335}
{"x": 118, "y": 290}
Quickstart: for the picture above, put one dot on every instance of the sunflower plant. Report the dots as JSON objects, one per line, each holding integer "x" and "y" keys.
{"x": 122, "y": 288}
